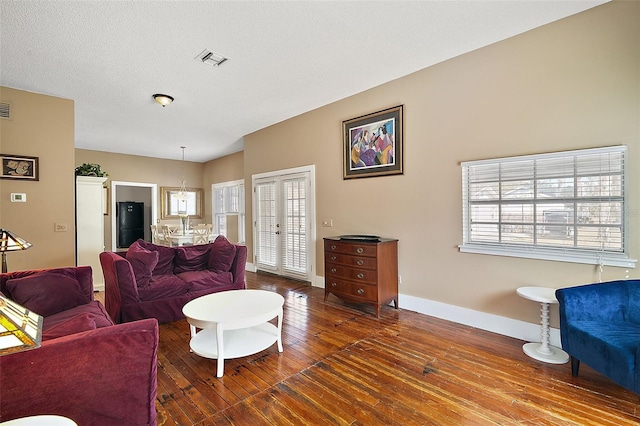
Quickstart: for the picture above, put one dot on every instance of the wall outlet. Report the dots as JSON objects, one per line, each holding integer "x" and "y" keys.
{"x": 327, "y": 223}
{"x": 61, "y": 227}
{"x": 399, "y": 279}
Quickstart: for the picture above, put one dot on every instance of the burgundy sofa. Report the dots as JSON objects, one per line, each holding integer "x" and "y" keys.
{"x": 87, "y": 369}
{"x": 153, "y": 281}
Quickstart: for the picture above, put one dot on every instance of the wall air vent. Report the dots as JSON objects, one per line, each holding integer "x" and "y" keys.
{"x": 5, "y": 110}
{"x": 212, "y": 58}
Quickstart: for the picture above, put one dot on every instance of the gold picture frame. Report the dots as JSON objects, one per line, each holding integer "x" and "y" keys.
{"x": 173, "y": 207}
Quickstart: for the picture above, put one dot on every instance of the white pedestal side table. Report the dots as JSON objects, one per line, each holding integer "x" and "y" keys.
{"x": 543, "y": 351}
{"x": 234, "y": 324}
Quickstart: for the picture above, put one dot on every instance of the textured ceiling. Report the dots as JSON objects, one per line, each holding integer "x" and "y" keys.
{"x": 285, "y": 58}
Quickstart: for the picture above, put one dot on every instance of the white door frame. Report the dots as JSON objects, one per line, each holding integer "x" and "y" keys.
{"x": 311, "y": 204}
{"x": 154, "y": 205}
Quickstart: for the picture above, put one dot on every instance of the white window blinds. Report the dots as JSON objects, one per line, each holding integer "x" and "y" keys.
{"x": 266, "y": 224}
{"x": 560, "y": 206}
{"x": 228, "y": 199}
{"x": 295, "y": 226}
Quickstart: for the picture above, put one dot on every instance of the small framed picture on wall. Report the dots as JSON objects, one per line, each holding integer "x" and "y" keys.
{"x": 19, "y": 167}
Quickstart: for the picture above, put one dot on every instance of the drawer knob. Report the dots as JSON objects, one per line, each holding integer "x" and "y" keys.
{"x": 360, "y": 275}
{"x": 333, "y": 258}
{"x": 333, "y": 270}
{"x": 360, "y": 291}
{"x": 359, "y": 250}
{"x": 360, "y": 262}
{"x": 333, "y": 246}
{"x": 334, "y": 285}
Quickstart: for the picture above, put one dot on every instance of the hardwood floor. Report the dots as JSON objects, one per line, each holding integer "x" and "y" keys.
{"x": 343, "y": 366}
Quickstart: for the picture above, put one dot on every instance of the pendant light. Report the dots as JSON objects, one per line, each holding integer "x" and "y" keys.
{"x": 182, "y": 193}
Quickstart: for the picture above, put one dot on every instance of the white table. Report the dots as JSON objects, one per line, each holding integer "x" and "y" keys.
{"x": 234, "y": 324}
{"x": 543, "y": 351}
{"x": 187, "y": 238}
{"x": 40, "y": 421}
{"x": 181, "y": 238}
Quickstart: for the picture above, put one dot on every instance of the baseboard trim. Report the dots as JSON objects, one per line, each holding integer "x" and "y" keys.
{"x": 494, "y": 323}
{"x": 489, "y": 322}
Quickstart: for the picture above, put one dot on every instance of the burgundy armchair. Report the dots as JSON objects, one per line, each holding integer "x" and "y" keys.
{"x": 87, "y": 369}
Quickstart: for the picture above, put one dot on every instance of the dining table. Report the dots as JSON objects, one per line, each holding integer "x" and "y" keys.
{"x": 181, "y": 237}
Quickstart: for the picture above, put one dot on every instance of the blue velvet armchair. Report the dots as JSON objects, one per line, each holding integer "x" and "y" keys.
{"x": 600, "y": 326}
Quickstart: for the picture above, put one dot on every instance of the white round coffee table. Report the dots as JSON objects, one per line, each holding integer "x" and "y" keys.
{"x": 48, "y": 420}
{"x": 234, "y": 324}
{"x": 543, "y": 351}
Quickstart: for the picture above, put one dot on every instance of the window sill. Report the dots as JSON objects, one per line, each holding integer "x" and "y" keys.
{"x": 574, "y": 256}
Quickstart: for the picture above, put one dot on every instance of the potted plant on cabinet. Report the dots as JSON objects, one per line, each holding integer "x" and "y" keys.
{"x": 90, "y": 169}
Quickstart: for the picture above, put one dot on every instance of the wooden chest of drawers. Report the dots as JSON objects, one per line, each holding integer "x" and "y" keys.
{"x": 362, "y": 271}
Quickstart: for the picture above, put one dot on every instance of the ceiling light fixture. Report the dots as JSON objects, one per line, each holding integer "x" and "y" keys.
{"x": 182, "y": 194}
{"x": 163, "y": 100}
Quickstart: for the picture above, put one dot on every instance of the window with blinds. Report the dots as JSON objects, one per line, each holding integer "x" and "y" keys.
{"x": 295, "y": 230}
{"x": 559, "y": 206}
{"x": 228, "y": 199}
{"x": 266, "y": 225}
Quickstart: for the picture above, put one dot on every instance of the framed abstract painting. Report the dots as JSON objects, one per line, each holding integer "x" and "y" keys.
{"x": 373, "y": 144}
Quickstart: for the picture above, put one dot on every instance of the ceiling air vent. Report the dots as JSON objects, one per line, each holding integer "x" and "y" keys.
{"x": 212, "y": 58}
{"x": 5, "y": 110}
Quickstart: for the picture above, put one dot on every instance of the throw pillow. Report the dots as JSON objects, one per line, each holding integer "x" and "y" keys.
{"x": 165, "y": 257}
{"x": 73, "y": 325}
{"x": 222, "y": 254}
{"x": 47, "y": 293}
{"x": 192, "y": 258}
{"x": 143, "y": 262}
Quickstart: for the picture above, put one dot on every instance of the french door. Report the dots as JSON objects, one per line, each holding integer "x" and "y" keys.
{"x": 283, "y": 223}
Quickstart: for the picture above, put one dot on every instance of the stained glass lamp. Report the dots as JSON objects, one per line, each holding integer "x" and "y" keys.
{"x": 10, "y": 242}
{"x": 20, "y": 329}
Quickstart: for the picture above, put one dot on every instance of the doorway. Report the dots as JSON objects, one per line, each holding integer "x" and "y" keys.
{"x": 284, "y": 224}
{"x": 136, "y": 192}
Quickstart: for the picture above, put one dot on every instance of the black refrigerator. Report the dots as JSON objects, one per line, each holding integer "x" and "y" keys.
{"x": 130, "y": 223}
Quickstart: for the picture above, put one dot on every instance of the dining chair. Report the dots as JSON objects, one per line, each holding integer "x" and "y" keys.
{"x": 200, "y": 234}
{"x": 156, "y": 238}
{"x": 168, "y": 233}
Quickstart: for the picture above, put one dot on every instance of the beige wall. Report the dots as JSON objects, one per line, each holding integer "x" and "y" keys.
{"x": 138, "y": 169}
{"x": 132, "y": 168}
{"x": 40, "y": 126}
{"x": 223, "y": 169}
{"x": 571, "y": 84}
